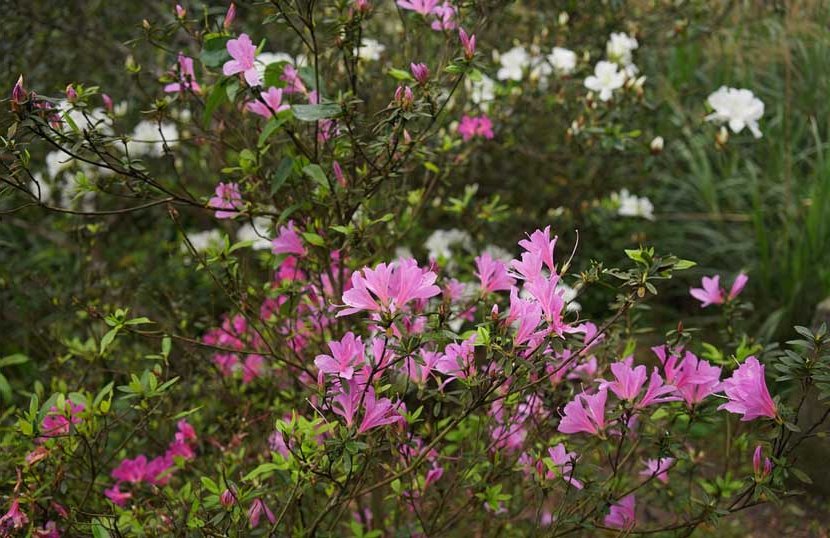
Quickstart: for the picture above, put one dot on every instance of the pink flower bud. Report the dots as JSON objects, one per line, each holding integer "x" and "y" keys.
{"x": 107, "y": 102}
{"x": 338, "y": 174}
{"x": 404, "y": 97}
{"x": 468, "y": 43}
{"x": 180, "y": 11}
{"x": 18, "y": 92}
{"x": 407, "y": 138}
{"x": 362, "y": 6}
{"x": 760, "y": 473}
{"x": 420, "y": 71}
{"x": 227, "y": 498}
{"x": 71, "y": 94}
{"x": 230, "y": 16}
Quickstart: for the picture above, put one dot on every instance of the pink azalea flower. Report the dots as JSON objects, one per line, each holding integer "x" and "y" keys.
{"x": 540, "y": 244}
{"x": 423, "y": 7}
{"x": 420, "y": 372}
{"x": 529, "y": 315}
{"x": 294, "y": 84}
{"x": 227, "y": 196}
{"x": 49, "y": 530}
{"x": 622, "y": 513}
{"x": 747, "y": 392}
{"x": 272, "y": 105}
{"x": 492, "y": 274}
{"x": 564, "y": 462}
{"x": 585, "y": 413}
{"x": 377, "y": 412}
{"x": 230, "y": 16}
{"x": 185, "y": 432}
{"x": 387, "y": 288}
{"x": 14, "y": 519}
{"x": 696, "y": 379}
{"x": 252, "y": 368}
{"x": 547, "y": 295}
{"x": 346, "y": 354}
{"x": 656, "y": 392}
{"x": 468, "y": 43}
{"x": 107, "y": 102}
{"x": 478, "y": 126}
{"x": 433, "y": 475}
{"x": 57, "y": 424}
{"x": 737, "y": 286}
{"x": 346, "y": 402}
{"x": 669, "y": 362}
{"x": 117, "y": 496}
{"x": 243, "y": 52}
{"x": 457, "y": 360}
{"x": 658, "y": 468}
{"x": 132, "y": 471}
{"x": 288, "y": 241}
{"x": 712, "y": 293}
{"x": 226, "y": 362}
{"x": 187, "y": 77}
{"x": 420, "y": 71}
{"x": 257, "y": 508}
{"x": 529, "y": 267}
{"x": 227, "y": 498}
{"x": 445, "y": 17}
{"x": 158, "y": 470}
{"x": 180, "y": 11}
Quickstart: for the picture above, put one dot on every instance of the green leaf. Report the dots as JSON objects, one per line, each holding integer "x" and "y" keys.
{"x": 5, "y": 389}
{"x": 316, "y": 173}
{"x": 209, "y": 485}
{"x": 801, "y": 475}
{"x": 316, "y": 112}
{"x": 214, "y": 51}
{"x": 218, "y": 95}
{"x": 273, "y": 73}
{"x": 108, "y": 338}
{"x": 681, "y": 265}
{"x": 260, "y": 470}
{"x": 283, "y": 173}
{"x": 138, "y": 321}
{"x": 272, "y": 125}
{"x": 400, "y": 74}
{"x": 314, "y": 239}
{"x": 16, "y": 358}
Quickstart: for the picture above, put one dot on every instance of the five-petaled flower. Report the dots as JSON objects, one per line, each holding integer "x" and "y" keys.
{"x": 747, "y": 392}
{"x": 738, "y": 108}
{"x": 269, "y": 105}
{"x": 243, "y": 52}
{"x": 227, "y": 196}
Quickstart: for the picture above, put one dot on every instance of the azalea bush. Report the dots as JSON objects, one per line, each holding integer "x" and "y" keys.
{"x": 268, "y": 297}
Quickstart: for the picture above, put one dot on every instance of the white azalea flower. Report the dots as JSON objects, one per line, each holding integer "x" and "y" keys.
{"x": 606, "y": 78}
{"x": 568, "y": 294}
{"x": 738, "y": 108}
{"x": 440, "y": 243}
{"x": 259, "y": 233}
{"x": 513, "y": 62}
{"x": 56, "y": 162}
{"x": 633, "y": 206}
{"x": 620, "y": 47}
{"x": 203, "y": 240}
{"x": 482, "y": 90}
{"x": 370, "y": 50}
{"x": 147, "y": 140}
{"x": 563, "y": 60}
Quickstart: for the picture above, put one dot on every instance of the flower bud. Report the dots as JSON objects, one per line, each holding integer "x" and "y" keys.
{"x": 722, "y": 138}
{"x": 107, "y": 102}
{"x": 338, "y": 174}
{"x": 404, "y": 97}
{"x": 230, "y": 16}
{"x": 18, "y": 93}
{"x": 420, "y": 71}
{"x": 227, "y": 498}
{"x": 468, "y": 43}
{"x": 363, "y": 6}
{"x": 657, "y": 145}
{"x": 564, "y": 18}
{"x": 71, "y": 94}
{"x": 180, "y": 12}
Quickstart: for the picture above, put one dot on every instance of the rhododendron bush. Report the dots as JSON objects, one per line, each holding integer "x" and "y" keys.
{"x": 242, "y": 311}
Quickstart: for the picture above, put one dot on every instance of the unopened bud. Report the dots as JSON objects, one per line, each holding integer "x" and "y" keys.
{"x": 657, "y": 145}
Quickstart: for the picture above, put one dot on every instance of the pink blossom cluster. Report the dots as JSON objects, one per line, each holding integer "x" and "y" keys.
{"x": 156, "y": 471}
{"x": 475, "y": 126}
{"x": 443, "y": 15}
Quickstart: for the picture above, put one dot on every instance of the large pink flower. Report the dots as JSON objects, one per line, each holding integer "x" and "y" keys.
{"x": 271, "y": 106}
{"x": 243, "y": 52}
{"x": 585, "y": 413}
{"x": 387, "y": 288}
{"x": 747, "y": 392}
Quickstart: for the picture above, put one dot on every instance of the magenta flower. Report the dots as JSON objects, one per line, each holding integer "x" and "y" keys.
{"x": 747, "y": 392}
{"x": 760, "y": 472}
{"x": 227, "y": 196}
{"x": 227, "y": 498}
{"x": 230, "y": 16}
{"x": 480, "y": 126}
{"x": 404, "y": 97}
{"x": 132, "y": 471}
{"x": 423, "y": 7}
{"x": 71, "y": 93}
{"x": 585, "y": 413}
{"x": 14, "y": 519}
{"x": 628, "y": 381}
{"x": 243, "y": 52}
{"x": 158, "y": 470}
{"x": 540, "y": 244}
{"x": 387, "y": 288}
{"x": 257, "y": 508}
{"x": 57, "y": 424}
{"x": 346, "y": 402}
{"x": 377, "y": 412}
{"x": 622, "y": 513}
{"x": 668, "y": 362}
{"x": 187, "y": 77}
{"x": 564, "y": 462}
{"x": 658, "y": 468}
{"x": 458, "y": 360}
{"x": 288, "y": 241}
{"x": 420, "y": 71}
{"x": 444, "y": 17}
{"x": 468, "y": 43}
{"x": 656, "y": 392}
{"x": 252, "y": 367}
{"x": 117, "y": 496}
{"x": 346, "y": 354}
{"x": 492, "y": 274}
{"x": 712, "y": 293}
{"x": 293, "y": 82}
{"x": 272, "y": 105}
{"x": 696, "y": 379}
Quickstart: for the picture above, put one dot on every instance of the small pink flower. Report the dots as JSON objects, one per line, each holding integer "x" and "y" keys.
{"x": 658, "y": 468}
{"x": 272, "y": 105}
{"x": 257, "y": 508}
{"x": 117, "y": 496}
{"x": 423, "y": 7}
{"x": 180, "y": 12}
{"x": 585, "y": 413}
{"x": 57, "y": 424}
{"x": 227, "y": 498}
{"x": 48, "y": 530}
{"x": 107, "y": 102}
{"x": 444, "y": 17}
{"x": 737, "y": 286}
{"x": 362, "y": 6}
{"x": 132, "y": 471}
{"x": 627, "y": 380}
{"x": 622, "y": 513}
{"x": 294, "y": 84}
{"x": 656, "y": 392}
{"x": 243, "y": 52}
{"x": 696, "y": 379}
{"x": 377, "y": 412}
{"x": 458, "y": 360}
{"x": 492, "y": 274}
{"x": 13, "y": 519}
{"x": 747, "y": 392}
{"x": 468, "y": 43}
{"x": 564, "y": 462}
{"x": 71, "y": 94}
{"x": 187, "y": 77}
{"x": 227, "y": 196}
{"x": 420, "y": 71}
{"x": 404, "y": 97}
{"x": 760, "y": 472}
{"x": 470, "y": 127}
{"x": 712, "y": 293}
{"x": 346, "y": 354}
{"x": 252, "y": 368}
{"x": 288, "y": 241}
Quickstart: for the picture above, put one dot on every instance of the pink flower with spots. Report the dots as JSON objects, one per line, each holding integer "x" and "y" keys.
{"x": 227, "y": 196}
{"x": 747, "y": 392}
{"x": 243, "y": 52}
{"x": 388, "y": 288}
{"x": 346, "y": 355}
